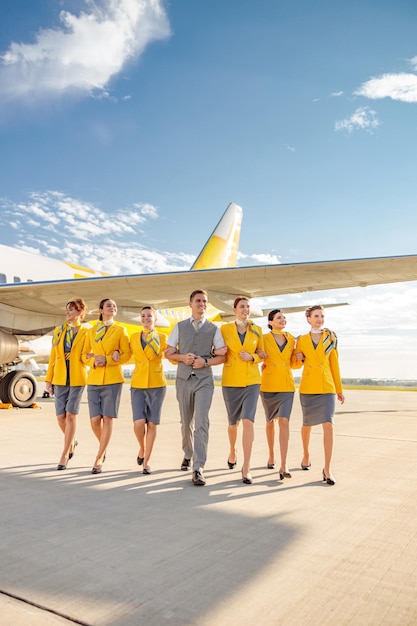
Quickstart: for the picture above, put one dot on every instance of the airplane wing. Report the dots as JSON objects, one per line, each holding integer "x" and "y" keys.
{"x": 34, "y": 308}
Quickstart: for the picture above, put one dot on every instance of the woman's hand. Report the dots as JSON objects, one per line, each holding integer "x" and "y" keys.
{"x": 116, "y": 356}
{"x": 49, "y": 388}
{"x": 99, "y": 360}
{"x": 341, "y": 398}
{"x": 245, "y": 356}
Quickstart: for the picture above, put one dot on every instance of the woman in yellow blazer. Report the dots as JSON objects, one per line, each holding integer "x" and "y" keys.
{"x": 320, "y": 383}
{"x": 277, "y": 386}
{"x": 67, "y": 375}
{"x": 241, "y": 380}
{"x": 148, "y": 386}
{"x": 107, "y": 348}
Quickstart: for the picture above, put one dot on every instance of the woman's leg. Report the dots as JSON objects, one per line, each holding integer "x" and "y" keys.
{"x": 139, "y": 429}
{"x": 150, "y": 440}
{"x": 284, "y": 437}
{"x": 97, "y": 425}
{"x": 232, "y": 433}
{"x": 270, "y": 439}
{"x": 305, "y": 438}
{"x": 247, "y": 442}
{"x": 328, "y": 441}
{"x": 67, "y": 424}
{"x": 106, "y": 432}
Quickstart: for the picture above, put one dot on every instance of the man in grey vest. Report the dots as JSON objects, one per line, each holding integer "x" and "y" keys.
{"x": 195, "y": 344}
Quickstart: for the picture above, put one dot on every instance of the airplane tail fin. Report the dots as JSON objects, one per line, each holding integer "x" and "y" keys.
{"x": 221, "y": 248}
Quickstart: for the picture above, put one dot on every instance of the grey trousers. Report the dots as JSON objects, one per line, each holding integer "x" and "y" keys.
{"x": 194, "y": 397}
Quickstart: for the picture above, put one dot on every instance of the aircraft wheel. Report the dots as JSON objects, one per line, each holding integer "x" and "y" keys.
{"x": 4, "y": 396}
{"x": 19, "y": 388}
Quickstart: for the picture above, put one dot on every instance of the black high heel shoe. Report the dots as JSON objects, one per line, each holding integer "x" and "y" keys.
{"x": 270, "y": 465}
{"x": 328, "y": 480}
{"x": 283, "y": 475}
{"x": 231, "y": 465}
{"x": 305, "y": 467}
{"x": 247, "y": 479}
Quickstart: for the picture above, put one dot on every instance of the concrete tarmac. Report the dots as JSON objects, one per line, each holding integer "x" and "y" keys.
{"x": 124, "y": 549}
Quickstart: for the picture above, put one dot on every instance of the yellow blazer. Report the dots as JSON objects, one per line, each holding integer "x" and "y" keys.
{"x": 321, "y": 372}
{"x": 276, "y": 372}
{"x": 238, "y": 373}
{"x": 148, "y": 372}
{"x": 116, "y": 338}
{"x": 57, "y": 369}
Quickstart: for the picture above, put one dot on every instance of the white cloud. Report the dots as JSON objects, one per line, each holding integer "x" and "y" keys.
{"x": 363, "y": 118}
{"x": 265, "y": 259}
{"x": 401, "y": 87}
{"x": 86, "y": 52}
{"x": 262, "y": 258}
{"x": 148, "y": 210}
{"x": 336, "y": 94}
{"x": 81, "y": 233}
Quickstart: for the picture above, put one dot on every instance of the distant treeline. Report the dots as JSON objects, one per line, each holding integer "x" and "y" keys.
{"x": 380, "y": 382}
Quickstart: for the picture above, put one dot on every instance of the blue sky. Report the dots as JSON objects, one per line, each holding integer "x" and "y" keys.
{"x": 127, "y": 126}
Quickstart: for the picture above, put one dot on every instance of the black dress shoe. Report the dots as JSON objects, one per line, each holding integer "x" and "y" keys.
{"x": 185, "y": 465}
{"x": 270, "y": 465}
{"x": 328, "y": 480}
{"x": 140, "y": 460}
{"x": 198, "y": 478}
{"x": 96, "y": 470}
{"x": 61, "y": 467}
{"x": 231, "y": 465}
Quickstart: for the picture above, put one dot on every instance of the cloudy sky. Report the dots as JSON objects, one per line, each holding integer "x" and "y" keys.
{"x": 127, "y": 126}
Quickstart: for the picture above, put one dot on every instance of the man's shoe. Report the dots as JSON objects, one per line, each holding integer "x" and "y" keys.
{"x": 198, "y": 478}
{"x": 185, "y": 465}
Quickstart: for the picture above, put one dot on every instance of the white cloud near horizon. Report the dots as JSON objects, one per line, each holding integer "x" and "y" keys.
{"x": 363, "y": 118}
{"x": 85, "y": 52}
{"x": 55, "y": 225}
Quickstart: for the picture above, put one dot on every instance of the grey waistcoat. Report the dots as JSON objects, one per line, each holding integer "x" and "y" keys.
{"x": 200, "y": 343}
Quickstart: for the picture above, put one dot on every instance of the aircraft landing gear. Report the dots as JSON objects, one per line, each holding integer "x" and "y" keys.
{"x": 18, "y": 388}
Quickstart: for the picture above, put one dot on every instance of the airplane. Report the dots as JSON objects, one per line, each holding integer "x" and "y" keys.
{"x": 32, "y": 309}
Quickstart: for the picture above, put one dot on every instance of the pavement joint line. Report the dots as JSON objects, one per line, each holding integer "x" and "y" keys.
{"x": 73, "y": 620}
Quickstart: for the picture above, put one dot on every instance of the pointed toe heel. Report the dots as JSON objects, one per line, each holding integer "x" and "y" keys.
{"x": 247, "y": 480}
{"x": 328, "y": 479}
